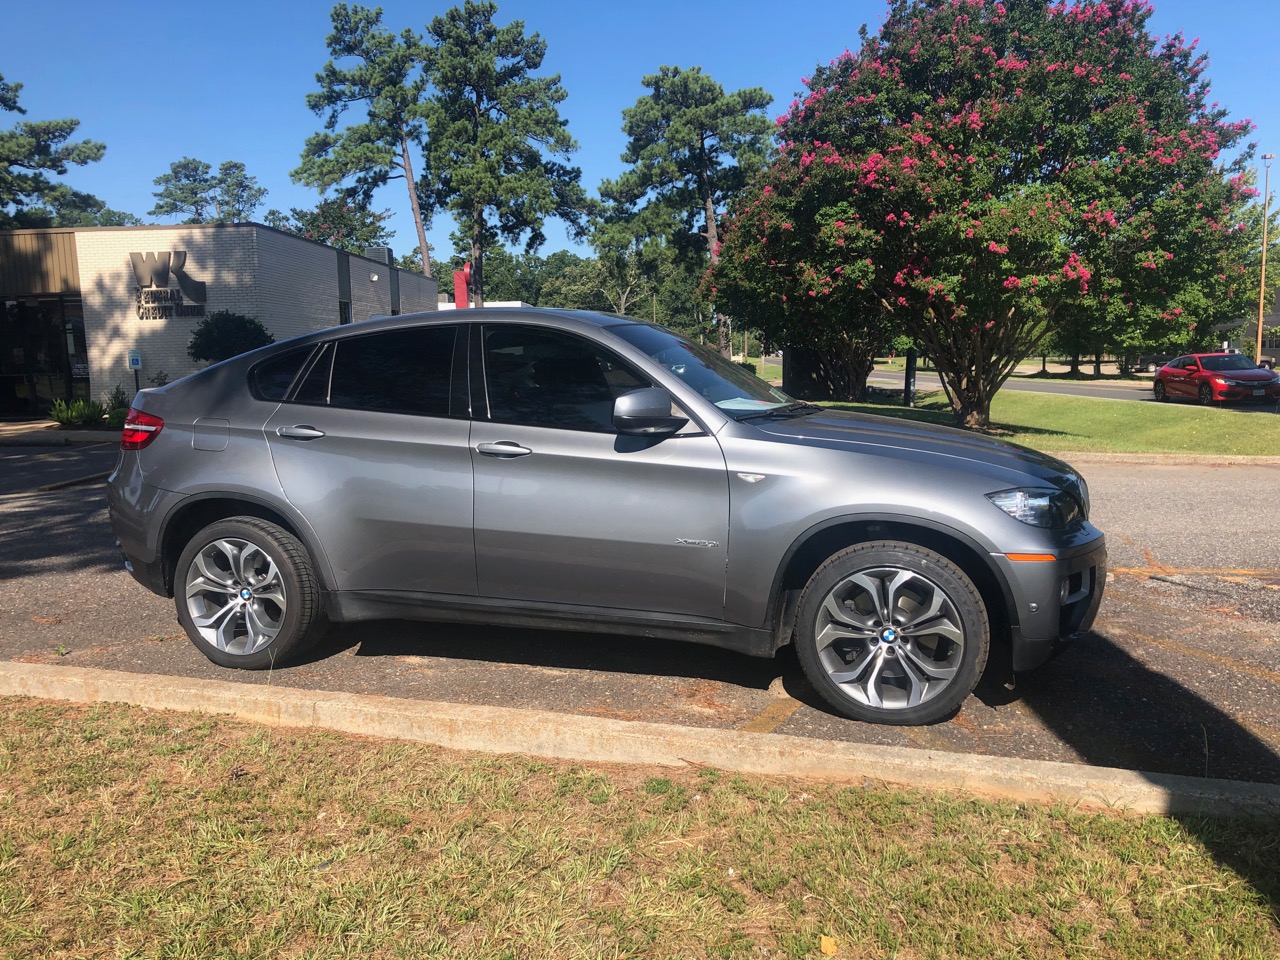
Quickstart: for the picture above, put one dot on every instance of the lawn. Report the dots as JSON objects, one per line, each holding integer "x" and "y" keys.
{"x": 131, "y": 833}
{"x": 1059, "y": 423}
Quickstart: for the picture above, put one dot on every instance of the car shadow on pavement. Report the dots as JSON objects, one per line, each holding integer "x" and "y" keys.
{"x": 1115, "y": 711}
{"x": 600, "y": 653}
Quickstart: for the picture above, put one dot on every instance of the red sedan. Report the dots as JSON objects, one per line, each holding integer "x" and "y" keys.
{"x": 1216, "y": 377}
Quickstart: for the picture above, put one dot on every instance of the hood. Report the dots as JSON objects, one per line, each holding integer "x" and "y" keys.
{"x": 909, "y": 439}
{"x": 1244, "y": 376}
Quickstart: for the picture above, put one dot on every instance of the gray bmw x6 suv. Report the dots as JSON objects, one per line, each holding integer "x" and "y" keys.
{"x": 581, "y": 471}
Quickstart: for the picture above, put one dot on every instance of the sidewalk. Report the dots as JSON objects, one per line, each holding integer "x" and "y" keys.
{"x": 46, "y": 433}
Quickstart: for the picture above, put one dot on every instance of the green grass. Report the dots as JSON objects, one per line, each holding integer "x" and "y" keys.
{"x": 132, "y": 834}
{"x": 1082, "y": 424}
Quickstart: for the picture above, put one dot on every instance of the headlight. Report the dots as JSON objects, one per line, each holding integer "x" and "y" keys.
{"x": 1040, "y": 507}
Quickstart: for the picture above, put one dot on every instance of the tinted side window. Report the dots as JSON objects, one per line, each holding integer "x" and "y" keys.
{"x": 549, "y": 379}
{"x": 271, "y": 379}
{"x": 400, "y": 371}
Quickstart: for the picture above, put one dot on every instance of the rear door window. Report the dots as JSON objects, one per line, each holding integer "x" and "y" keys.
{"x": 396, "y": 371}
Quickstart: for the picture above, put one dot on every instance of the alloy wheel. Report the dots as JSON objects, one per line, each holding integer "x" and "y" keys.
{"x": 890, "y": 638}
{"x": 235, "y": 596}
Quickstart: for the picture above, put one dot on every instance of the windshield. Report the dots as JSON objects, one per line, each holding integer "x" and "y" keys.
{"x": 1235, "y": 361}
{"x": 729, "y": 386}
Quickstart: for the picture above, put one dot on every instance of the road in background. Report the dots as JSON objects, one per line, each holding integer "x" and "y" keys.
{"x": 1102, "y": 389}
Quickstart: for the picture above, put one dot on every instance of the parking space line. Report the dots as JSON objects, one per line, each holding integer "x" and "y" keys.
{"x": 1230, "y": 663}
{"x": 1162, "y": 570}
{"x": 771, "y": 717}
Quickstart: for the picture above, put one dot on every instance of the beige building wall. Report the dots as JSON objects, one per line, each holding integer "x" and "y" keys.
{"x": 287, "y": 282}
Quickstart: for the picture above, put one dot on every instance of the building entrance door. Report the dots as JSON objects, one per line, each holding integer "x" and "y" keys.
{"x": 42, "y": 354}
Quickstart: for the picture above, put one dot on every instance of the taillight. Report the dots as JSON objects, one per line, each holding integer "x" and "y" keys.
{"x": 140, "y": 428}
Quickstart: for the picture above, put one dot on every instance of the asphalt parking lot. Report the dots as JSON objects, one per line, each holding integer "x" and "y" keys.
{"x": 1178, "y": 676}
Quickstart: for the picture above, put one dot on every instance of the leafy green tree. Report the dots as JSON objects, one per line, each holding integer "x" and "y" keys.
{"x": 383, "y": 72}
{"x": 338, "y": 223}
{"x": 691, "y": 146}
{"x": 30, "y": 153}
{"x": 498, "y": 143}
{"x": 983, "y": 170}
{"x": 571, "y": 282}
{"x": 191, "y": 188}
{"x": 513, "y": 276}
{"x": 223, "y": 334}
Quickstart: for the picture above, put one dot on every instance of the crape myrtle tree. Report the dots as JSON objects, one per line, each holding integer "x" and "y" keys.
{"x": 794, "y": 268}
{"x": 498, "y": 146}
{"x": 385, "y": 73}
{"x": 691, "y": 146}
{"x": 191, "y": 188}
{"x": 30, "y": 153}
{"x": 999, "y": 168}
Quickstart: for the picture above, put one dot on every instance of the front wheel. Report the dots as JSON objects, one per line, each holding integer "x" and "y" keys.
{"x": 892, "y": 633}
{"x": 247, "y": 594}
{"x": 1161, "y": 396}
{"x": 1206, "y": 395}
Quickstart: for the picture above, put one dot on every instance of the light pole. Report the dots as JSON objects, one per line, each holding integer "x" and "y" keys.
{"x": 1262, "y": 282}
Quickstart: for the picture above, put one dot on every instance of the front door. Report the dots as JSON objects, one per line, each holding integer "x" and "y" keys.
{"x": 569, "y": 511}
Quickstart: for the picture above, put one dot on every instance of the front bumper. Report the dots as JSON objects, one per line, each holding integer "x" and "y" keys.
{"x": 1055, "y": 601}
{"x": 1260, "y": 393}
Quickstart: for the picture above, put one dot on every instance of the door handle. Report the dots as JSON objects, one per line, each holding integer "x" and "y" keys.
{"x": 506, "y": 449}
{"x": 300, "y": 432}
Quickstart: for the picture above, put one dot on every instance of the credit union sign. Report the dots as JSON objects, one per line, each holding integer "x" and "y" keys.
{"x": 156, "y": 299}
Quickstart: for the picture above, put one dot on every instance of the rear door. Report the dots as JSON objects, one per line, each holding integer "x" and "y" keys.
{"x": 373, "y": 450}
{"x": 569, "y": 511}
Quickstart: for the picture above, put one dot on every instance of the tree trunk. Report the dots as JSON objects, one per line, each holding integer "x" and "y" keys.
{"x": 1097, "y": 364}
{"x": 1075, "y": 364}
{"x": 415, "y": 206}
{"x": 817, "y": 373}
{"x": 477, "y": 265}
{"x": 972, "y": 409}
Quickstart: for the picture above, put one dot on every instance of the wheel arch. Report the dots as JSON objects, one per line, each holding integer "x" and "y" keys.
{"x": 812, "y": 548}
{"x": 195, "y": 513}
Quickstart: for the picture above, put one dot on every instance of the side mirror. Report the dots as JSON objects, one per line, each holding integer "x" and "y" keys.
{"x": 646, "y": 412}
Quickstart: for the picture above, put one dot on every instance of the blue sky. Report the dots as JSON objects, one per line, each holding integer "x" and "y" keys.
{"x": 227, "y": 80}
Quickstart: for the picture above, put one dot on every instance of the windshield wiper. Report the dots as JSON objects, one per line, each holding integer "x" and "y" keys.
{"x": 798, "y": 409}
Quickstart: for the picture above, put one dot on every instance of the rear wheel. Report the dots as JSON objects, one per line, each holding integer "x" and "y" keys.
{"x": 1206, "y": 394}
{"x": 247, "y": 594}
{"x": 1161, "y": 396}
{"x": 892, "y": 633}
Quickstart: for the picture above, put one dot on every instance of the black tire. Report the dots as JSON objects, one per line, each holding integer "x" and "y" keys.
{"x": 247, "y": 594}
{"x": 1161, "y": 396}
{"x": 912, "y": 639}
{"x": 1206, "y": 395}
{"x": 1152, "y": 367}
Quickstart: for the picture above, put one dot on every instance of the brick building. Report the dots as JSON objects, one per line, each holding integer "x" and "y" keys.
{"x": 87, "y": 309}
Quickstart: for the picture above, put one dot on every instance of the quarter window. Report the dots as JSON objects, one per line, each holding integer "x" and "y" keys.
{"x": 272, "y": 378}
{"x": 545, "y": 378}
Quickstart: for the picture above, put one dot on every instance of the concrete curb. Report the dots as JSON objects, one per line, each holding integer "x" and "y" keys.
{"x": 570, "y": 737}
{"x": 75, "y": 482}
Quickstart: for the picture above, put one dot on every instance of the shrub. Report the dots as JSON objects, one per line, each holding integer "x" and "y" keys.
{"x": 116, "y": 417}
{"x": 78, "y": 413}
{"x": 118, "y": 399}
{"x": 223, "y": 334}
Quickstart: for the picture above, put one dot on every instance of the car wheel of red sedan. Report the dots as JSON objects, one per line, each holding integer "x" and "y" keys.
{"x": 1161, "y": 397}
{"x": 1206, "y": 394}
